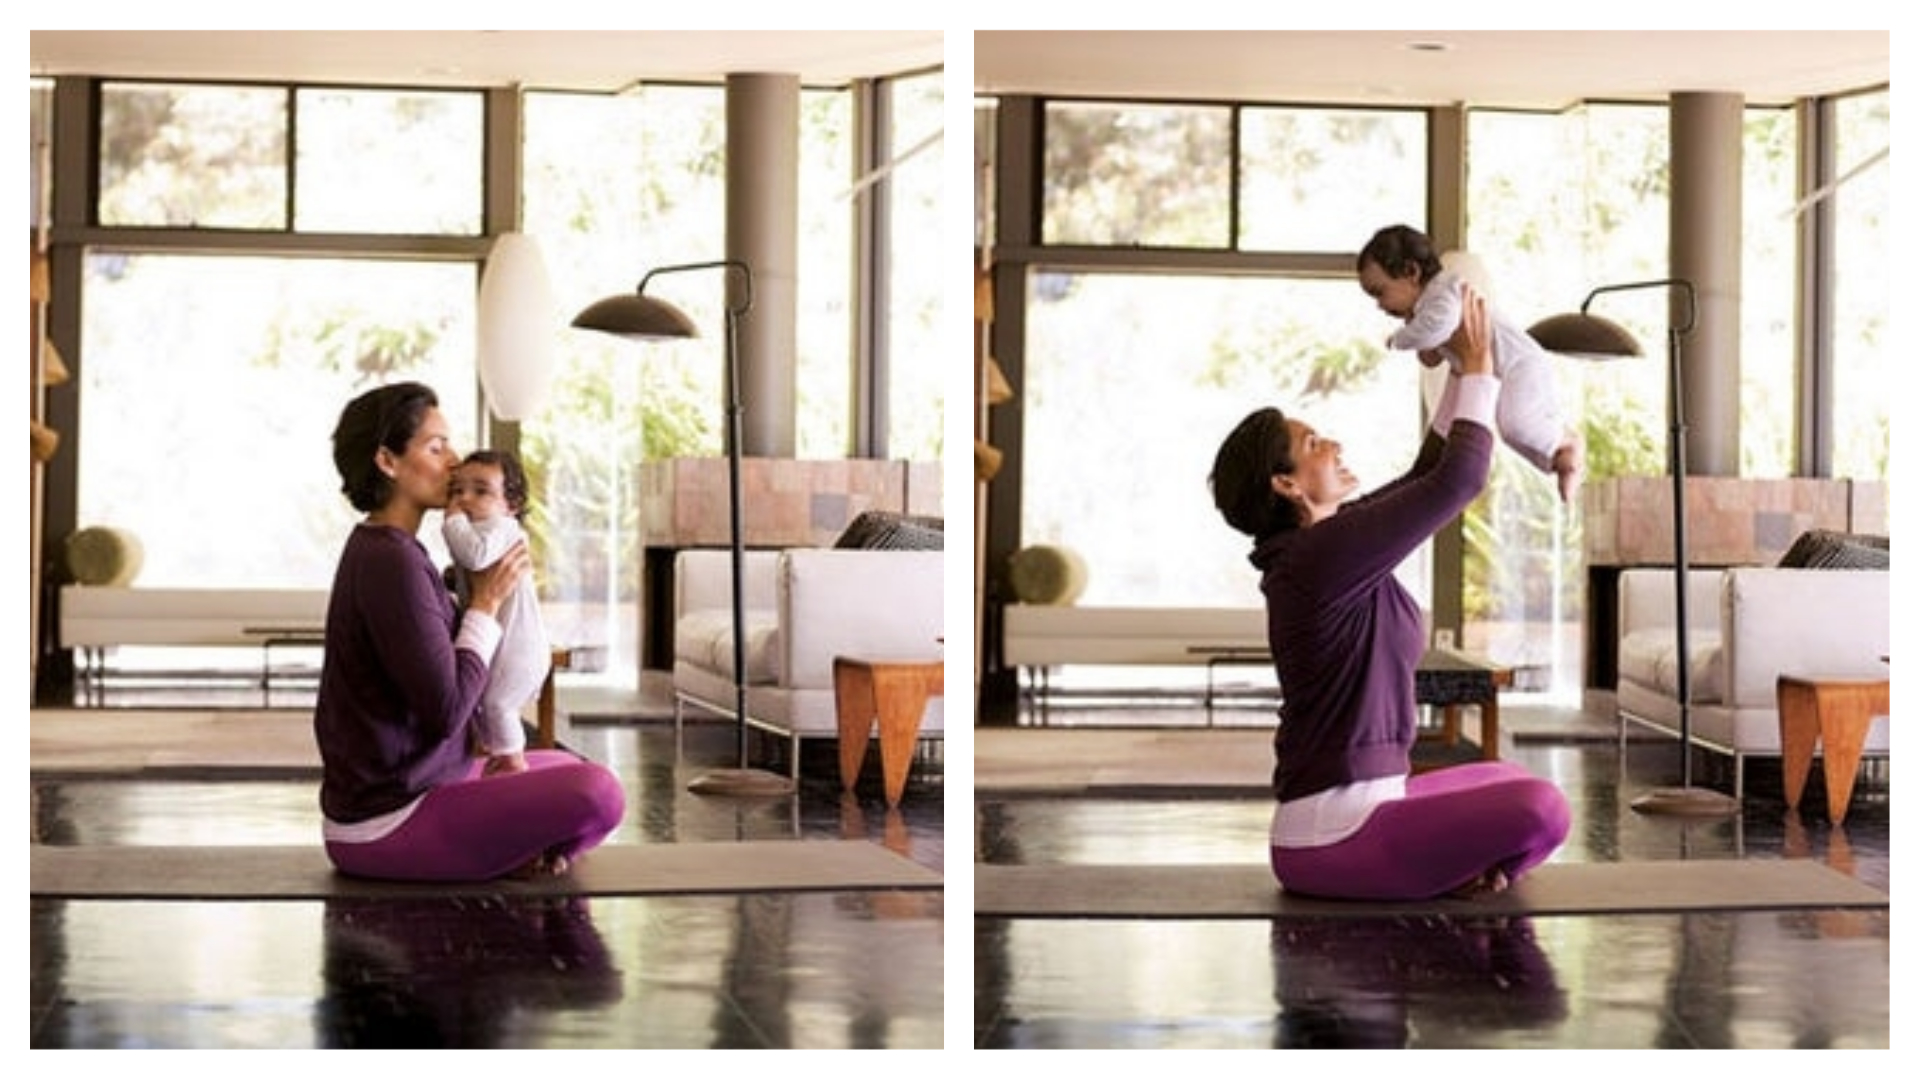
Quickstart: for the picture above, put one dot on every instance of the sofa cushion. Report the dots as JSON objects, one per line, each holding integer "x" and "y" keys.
{"x": 1824, "y": 549}
{"x": 883, "y": 530}
{"x": 705, "y": 639}
{"x": 1647, "y": 657}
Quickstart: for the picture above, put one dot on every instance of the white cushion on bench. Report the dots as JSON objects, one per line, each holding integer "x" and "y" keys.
{"x": 100, "y": 616}
{"x": 1040, "y": 635}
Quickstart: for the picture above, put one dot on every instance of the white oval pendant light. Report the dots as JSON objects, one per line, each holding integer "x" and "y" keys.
{"x": 518, "y": 321}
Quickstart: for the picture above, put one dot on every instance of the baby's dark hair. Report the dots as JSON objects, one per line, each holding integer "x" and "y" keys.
{"x": 1259, "y": 448}
{"x": 385, "y": 416}
{"x": 1400, "y": 250}
{"x": 513, "y": 477}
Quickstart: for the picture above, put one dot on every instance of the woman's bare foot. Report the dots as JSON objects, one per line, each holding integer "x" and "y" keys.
{"x": 499, "y": 764}
{"x": 544, "y": 865}
{"x": 1491, "y": 883}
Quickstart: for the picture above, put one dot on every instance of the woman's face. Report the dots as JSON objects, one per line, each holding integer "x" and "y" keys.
{"x": 422, "y": 475}
{"x": 1320, "y": 482}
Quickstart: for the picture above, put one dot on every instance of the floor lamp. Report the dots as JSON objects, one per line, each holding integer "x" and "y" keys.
{"x": 1588, "y": 335}
{"x": 641, "y": 317}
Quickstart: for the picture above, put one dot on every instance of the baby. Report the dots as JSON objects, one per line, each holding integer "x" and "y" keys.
{"x": 1401, "y": 271}
{"x": 487, "y": 499}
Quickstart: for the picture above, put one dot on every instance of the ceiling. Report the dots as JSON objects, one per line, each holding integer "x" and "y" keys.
{"x": 1486, "y": 68}
{"x": 601, "y": 60}
{"x": 1530, "y": 69}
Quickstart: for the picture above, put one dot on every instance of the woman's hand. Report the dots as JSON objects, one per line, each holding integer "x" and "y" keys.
{"x": 1472, "y": 340}
{"x": 492, "y": 586}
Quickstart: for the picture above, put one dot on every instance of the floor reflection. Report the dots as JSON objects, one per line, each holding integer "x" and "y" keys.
{"x": 1368, "y": 983}
{"x": 1716, "y": 979}
{"x": 815, "y": 969}
{"x": 430, "y": 974}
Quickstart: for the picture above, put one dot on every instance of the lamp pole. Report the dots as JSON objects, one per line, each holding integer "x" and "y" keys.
{"x": 638, "y": 315}
{"x": 1591, "y": 335}
{"x": 736, "y": 503}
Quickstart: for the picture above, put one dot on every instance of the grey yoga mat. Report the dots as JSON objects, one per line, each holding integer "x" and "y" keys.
{"x": 302, "y": 872}
{"x": 1249, "y": 892}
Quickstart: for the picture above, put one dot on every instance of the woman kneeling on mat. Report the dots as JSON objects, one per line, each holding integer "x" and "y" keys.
{"x": 403, "y": 792}
{"x": 1351, "y": 820}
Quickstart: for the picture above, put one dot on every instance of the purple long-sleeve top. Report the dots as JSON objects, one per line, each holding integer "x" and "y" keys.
{"x": 396, "y": 695}
{"x": 1345, "y": 635}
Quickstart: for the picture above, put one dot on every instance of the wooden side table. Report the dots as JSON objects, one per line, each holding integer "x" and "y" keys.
{"x": 544, "y": 734}
{"x": 1835, "y": 713}
{"x": 1449, "y": 679}
{"x": 892, "y": 692}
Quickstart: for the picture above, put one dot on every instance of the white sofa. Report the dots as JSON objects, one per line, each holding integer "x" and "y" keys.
{"x": 803, "y": 607}
{"x": 1747, "y": 626}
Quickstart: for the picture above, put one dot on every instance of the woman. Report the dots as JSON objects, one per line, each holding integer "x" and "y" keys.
{"x": 1350, "y": 820}
{"x": 403, "y": 793}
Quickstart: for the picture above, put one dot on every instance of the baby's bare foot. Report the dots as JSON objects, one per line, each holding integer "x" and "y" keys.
{"x": 1567, "y": 466}
{"x": 1569, "y": 486}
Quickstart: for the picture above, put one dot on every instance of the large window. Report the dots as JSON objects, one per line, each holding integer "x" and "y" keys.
{"x": 1324, "y": 180}
{"x": 1132, "y": 381}
{"x": 1767, "y": 279}
{"x": 1133, "y": 370}
{"x": 1558, "y": 204}
{"x": 1137, "y": 175}
{"x": 206, "y": 156}
{"x": 210, "y": 383}
{"x": 375, "y": 161}
{"x": 615, "y": 186}
{"x": 1135, "y": 365}
{"x": 616, "y": 403}
{"x": 210, "y": 391}
{"x": 367, "y": 161}
{"x": 823, "y": 394}
{"x": 920, "y": 356}
{"x": 1862, "y": 366}
{"x": 233, "y": 360}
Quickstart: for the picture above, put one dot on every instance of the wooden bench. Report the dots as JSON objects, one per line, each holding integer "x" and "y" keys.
{"x": 96, "y": 618}
{"x": 1037, "y": 637}
{"x": 1448, "y": 679}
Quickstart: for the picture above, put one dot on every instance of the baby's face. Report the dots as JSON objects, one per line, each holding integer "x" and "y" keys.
{"x": 1395, "y": 295}
{"x": 478, "y": 491}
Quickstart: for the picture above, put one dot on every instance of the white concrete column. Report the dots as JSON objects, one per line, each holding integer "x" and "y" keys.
{"x": 1704, "y": 235}
{"x": 763, "y": 207}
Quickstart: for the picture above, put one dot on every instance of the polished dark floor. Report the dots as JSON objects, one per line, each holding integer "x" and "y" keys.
{"x": 747, "y": 971}
{"x": 1722, "y": 979}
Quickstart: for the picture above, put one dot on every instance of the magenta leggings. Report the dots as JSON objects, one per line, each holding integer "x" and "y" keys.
{"x": 1454, "y": 825}
{"x": 479, "y": 828}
